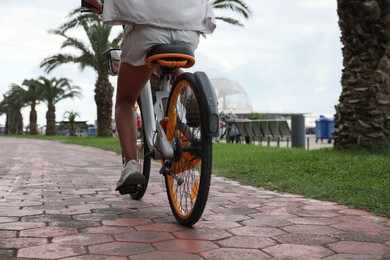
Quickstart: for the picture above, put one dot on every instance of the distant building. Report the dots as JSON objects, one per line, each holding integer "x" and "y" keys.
{"x": 81, "y": 128}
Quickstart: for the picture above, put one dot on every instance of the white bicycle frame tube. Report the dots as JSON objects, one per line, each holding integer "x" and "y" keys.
{"x": 148, "y": 118}
{"x": 152, "y": 125}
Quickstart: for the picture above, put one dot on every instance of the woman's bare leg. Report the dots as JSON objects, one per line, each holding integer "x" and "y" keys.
{"x": 131, "y": 80}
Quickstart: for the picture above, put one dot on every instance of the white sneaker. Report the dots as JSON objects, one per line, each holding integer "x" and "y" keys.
{"x": 131, "y": 177}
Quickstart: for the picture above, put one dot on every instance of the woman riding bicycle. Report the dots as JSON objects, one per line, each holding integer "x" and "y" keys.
{"x": 147, "y": 23}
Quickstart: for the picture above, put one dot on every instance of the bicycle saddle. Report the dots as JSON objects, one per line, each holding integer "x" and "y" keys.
{"x": 170, "y": 55}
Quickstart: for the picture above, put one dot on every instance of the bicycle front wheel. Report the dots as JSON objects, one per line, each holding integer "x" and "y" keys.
{"x": 191, "y": 165}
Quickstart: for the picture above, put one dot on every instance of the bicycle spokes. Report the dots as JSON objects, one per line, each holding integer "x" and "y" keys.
{"x": 192, "y": 161}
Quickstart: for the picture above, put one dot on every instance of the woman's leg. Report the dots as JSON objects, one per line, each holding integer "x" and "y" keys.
{"x": 131, "y": 80}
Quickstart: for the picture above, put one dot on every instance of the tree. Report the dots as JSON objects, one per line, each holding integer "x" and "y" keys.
{"x": 53, "y": 91}
{"x": 71, "y": 116}
{"x": 3, "y": 111}
{"x": 363, "y": 113}
{"x": 89, "y": 55}
{"x": 237, "y": 6}
{"x": 12, "y": 104}
{"x": 33, "y": 97}
{"x": 6, "y": 110}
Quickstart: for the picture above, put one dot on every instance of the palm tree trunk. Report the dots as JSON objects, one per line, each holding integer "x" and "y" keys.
{"x": 7, "y": 123}
{"x": 103, "y": 99}
{"x": 33, "y": 120}
{"x": 363, "y": 113}
{"x": 19, "y": 122}
{"x": 51, "y": 120}
{"x": 72, "y": 128}
{"x": 12, "y": 122}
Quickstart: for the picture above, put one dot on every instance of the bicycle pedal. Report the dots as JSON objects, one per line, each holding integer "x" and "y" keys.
{"x": 127, "y": 190}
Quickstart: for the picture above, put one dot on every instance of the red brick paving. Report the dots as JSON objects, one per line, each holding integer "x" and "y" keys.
{"x": 57, "y": 201}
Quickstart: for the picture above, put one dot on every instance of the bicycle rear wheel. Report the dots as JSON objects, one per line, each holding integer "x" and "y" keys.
{"x": 187, "y": 194}
{"x": 145, "y": 162}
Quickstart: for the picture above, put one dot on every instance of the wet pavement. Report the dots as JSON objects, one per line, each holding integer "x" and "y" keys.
{"x": 57, "y": 201}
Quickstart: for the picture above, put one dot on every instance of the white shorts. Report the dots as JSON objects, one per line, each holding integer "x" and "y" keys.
{"x": 137, "y": 39}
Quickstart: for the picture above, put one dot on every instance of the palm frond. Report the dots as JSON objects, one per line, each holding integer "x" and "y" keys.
{"x": 98, "y": 36}
{"x": 34, "y": 91}
{"x": 115, "y": 42}
{"x": 52, "y": 62}
{"x": 75, "y": 43}
{"x": 230, "y": 21}
{"x": 78, "y": 19}
{"x": 236, "y": 6}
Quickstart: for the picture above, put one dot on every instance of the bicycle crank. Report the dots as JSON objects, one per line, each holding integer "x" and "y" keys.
{"x": 167, "y": 170}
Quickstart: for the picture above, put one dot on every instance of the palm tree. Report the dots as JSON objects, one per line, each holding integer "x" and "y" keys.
{"x": 71, "y": 116}
{"x": 53, "y": 91}
{"x": 363, "y": 113}
{"x": 33, "y": 97}
{"x": 237, "y": 6}
{"x": 13, "y": 102}
{"x": 89, "y": 55}
{"x": 5, "y": 108}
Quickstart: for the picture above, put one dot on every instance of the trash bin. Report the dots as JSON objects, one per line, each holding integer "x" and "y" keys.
{"x": 91, "y": 131}
{"x": 324, "y": 128}
{"x": 330, "y": 127}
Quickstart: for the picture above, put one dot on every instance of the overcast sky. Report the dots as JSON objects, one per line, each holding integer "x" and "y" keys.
{"x": 287, "y": 56}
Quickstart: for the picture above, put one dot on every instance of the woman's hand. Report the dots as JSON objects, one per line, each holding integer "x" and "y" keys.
{"x": 97, "y": 6}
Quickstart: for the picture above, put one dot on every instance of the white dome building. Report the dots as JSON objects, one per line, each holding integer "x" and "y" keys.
{"x": 232, "y": 97}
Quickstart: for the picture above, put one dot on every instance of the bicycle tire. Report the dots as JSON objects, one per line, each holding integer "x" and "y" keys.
{"x": 193, "y": 150}
{"x": 145, "y": 163}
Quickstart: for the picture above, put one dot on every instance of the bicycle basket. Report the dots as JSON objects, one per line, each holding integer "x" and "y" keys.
{"x": 112, "y": 61}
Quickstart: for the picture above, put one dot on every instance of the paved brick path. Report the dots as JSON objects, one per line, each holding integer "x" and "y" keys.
{"x": 57, "y": 202}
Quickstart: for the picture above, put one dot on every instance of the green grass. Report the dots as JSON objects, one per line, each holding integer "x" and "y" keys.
{"x": 357, "y": 179}
{"x": 106, "y": 143}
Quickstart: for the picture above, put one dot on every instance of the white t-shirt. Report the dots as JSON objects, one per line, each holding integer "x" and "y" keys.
{"x": 194, "y": 15}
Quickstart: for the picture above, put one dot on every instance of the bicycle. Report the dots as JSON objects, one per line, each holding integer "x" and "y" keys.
{"x": 178, "y": 124}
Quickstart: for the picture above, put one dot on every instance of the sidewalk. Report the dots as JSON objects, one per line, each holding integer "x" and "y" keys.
{"x": 57, "y": 201}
